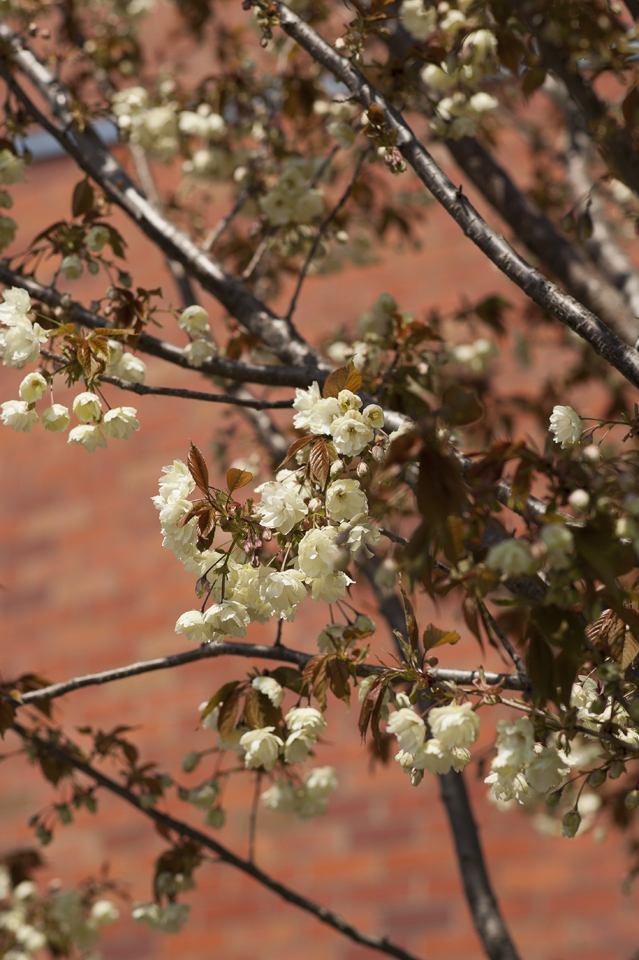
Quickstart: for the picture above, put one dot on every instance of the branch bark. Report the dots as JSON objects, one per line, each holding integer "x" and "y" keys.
{"x": 381, "y": 944}
{"x": 278, "y": 652}
{"x": 541, "y": 290}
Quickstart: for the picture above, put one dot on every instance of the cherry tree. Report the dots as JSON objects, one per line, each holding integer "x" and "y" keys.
{"x": 396, "y": 466}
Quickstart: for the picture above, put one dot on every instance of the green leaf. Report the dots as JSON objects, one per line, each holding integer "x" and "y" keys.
{"x": 83, "y": 197}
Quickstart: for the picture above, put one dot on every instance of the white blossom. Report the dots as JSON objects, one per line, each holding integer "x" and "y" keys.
{"x": 284, "y": 590}
{"x": 454, "y": 726}
{"x": 433, "y": 756}
{"x": 511, "y": 557}
{"x": 168, "y": 919}
{"x": 306, "y": 720}
{"x": 297, "y": 747}
{"x": 193, "y": 626}
{"x": 565, "y": 425}
{"x": 199, "y": 351}
{"x": 195, "y": 320}
{"x": 361, "y": 536}
{"x": 375, "y": 415}
{"x": 351, "y": 433}
{"x": 281, "y": 506}
{"x": 282, "y": 796}
{"x": 87, "y": 435}
{"x": 330, "y": 588}
{"x": 558, "y": 541}
{"x": 508, "y": 786}
{"x": 270, "y": 688}
{"x": 32, "y": 387}
{"x": 342, "y": 132}
{"x": 16, "y": 414}
{"x": 120, "y": 422}
{"x": 482, "y": 102}
{"x": 262, "y": 747}
{"x": 97, "y": 237}
{"x": 418, "y": 19}
{"x": 104, "y": 913}
{"x": 546, "y": 770}
{"x": 304, "y": 403}
{"x": 437, "y": 78}
{"x": 177, "y": 482}
{"x": 317, "y": 553}
{"x": 408, "y": 727}
{"x": 129, "y": 368}
{"x": 406, "y": 760}
{"x": 20, "y": 342}
{"x": 318, "y": 784}
{"x": 479, "y": 44}
{"x": 87, "y": 407}
{"x": 228, "y": 619}
{"x": 71, "y": 267}
{"x": 345, "y": 499}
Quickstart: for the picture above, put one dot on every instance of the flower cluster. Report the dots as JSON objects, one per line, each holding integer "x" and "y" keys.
{"x": 169, "y": 918}
{"x": 317, "y": 525}
{"x": 31, "y": 921}
{"x": 453, "y": 729}
{"x": 307, "y": 799}
{"x": 522, "y": 764}
{"x": 293, "y": 200}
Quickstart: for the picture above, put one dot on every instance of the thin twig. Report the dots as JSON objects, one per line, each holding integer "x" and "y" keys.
{"x": 253, "y": 817}
{"x": 279, "y": 652}
{"x": 278, "y": 638}
{"x": 262, "y": 247}
{"x": 143, "y": 389}
{"x": 222, "y": 224}
{"x": 382, "y": 944}
{"x": 323, "y": 226}
{"x": 506, "y": 644}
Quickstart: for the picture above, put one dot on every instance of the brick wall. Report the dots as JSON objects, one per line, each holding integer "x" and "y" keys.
{"x": 87, "y": 586}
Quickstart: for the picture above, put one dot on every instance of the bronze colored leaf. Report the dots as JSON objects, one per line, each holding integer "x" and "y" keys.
{"x": 63, "y": 330}
{"x": 198, "y": 468}
{"x": 253, "y": 713}
{"x": 434, "y": 637}
{"x": 298, "y": 444}
{"x": 83, "y": 197}
{"x": 7, "y": 715}
{"x": 339, "y": 677}
{"x": 316, "y": 675}
{"x": 371, "y": 708}
{"x": 411, "y": 623}
{"x": 237, "y": 478}
{"x": 219, "y": 697}
{"x": 460, "y": 407}
{"x": 344, "y": 378}
{"x": 228, "y": 714}
{"x": 319, "y": 461}
{"x": 610, "y": 631}
{"x": 199, "y": 506}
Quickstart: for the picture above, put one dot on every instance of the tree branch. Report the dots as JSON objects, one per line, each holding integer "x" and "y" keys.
{"x": 143, "y": 390}
{"x": 208, "y": 651}
{"x": 268, "y": 374}
{"x": 381, "y": 944}
{"x": 546, "y": 294}
{"x": 482, "y": 903}
{"x": 91, "y": 154}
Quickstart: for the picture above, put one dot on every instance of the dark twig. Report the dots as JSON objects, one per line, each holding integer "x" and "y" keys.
{"x": 277, "y": 652}
{"x": 507, "y": 645}
{"x": 546, "y": 294}
{"x": 143, "y": 390}
{"x": 267, "y": 374}
{"x": 382, "y": 944}
{"x": 321, "y": 229}
{"x": 253, "y": 817}
{"x": 225, "y": 221}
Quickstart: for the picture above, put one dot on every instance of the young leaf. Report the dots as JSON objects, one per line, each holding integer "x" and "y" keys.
{"x": 319, "y": 461}
{"x": 83, "y": 197}
{"x": 298, "y": 444}
{"x": 345, "y": 378}
{"x": 198, "y": 468}
{"x": 219, "y": 697}
{"x": 411, "y": 623}
{"x": 237, "y": 478}
{"x": 228, "y": 714}
{"x": 434, "y": 637}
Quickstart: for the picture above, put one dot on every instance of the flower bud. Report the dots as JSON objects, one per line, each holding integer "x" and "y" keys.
{"x": 416, "y": 777}
{"x": 267, "y": 536}
{"x": 363, "y": 470}
{"x": 190, "y": 761}
{"x": 596, "y": 778}
{"x": 608, "y": 671}
{"x": 631, "y": 800}
{"x": 553, "y": 798}
{"x": 598, "y": 706}
{"x": 379, "y": 453}
{"x": 570, "y": 824}
{"x": 314, "y": 504}
{"x": 215, "y": 817}
{"x": 337, "y": 467}
{"x": 616, "y": 769}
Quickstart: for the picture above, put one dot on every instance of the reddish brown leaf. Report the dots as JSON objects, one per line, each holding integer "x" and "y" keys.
{"x": 345, "y": 378}
{"x": 228, "y": 714}
{"x": 339, "y": 679}
{"x": 298, "y": 444}
{"x": 219, "y": 697}
{"x": 198, "y": 468}
{"x": 319, "y": 461}
{"x": 199, "y": 507}
{"x": 237, "y": 478}
{"x": 411, "y": 623}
